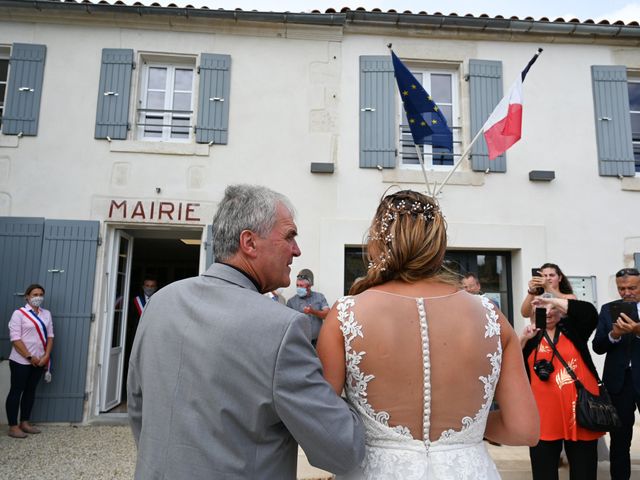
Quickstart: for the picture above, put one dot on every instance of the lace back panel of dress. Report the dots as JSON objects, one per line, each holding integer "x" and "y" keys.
{"x": 427, "y": 373}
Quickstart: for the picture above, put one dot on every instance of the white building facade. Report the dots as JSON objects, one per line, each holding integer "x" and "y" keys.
{"x": 122, "y": 126}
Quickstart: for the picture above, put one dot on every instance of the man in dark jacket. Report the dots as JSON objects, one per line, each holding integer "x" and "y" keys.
{"x": 619, "y": 339}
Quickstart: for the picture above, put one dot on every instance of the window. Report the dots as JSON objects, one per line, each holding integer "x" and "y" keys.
{"x": 166, "y": 102}
{"x": 493, "y": 269}
{"x": 442, "y": 86}
{"x": 634, "y": 112}
{"x": 4, "y": 74}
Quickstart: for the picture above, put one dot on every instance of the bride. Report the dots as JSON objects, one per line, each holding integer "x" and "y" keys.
{"x": 421, "y": 360}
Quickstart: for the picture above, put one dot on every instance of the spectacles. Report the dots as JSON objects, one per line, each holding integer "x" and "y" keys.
{"x": 627, "y": 271}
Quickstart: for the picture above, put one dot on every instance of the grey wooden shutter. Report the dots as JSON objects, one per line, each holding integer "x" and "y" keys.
{"x": 613, "y": 123}
{"x": 213, "y": 98}
{"x": 67, "y": 272}
{"x": 24, "y": 89}
{"x": 20, "y": 248}
{"x": 485, "y": 92}
{"x": 378, "y": 145}
{"x": 112, "y": 114}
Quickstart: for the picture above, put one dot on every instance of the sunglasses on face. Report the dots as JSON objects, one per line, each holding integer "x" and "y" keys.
{"x": 628, "y": 271}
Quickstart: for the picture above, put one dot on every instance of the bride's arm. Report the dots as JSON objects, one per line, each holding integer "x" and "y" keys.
{"x": 517, "y": 421}
{"x": 331, "y": 351}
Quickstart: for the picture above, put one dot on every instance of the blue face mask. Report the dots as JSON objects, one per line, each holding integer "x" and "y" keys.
{"x": 301, "y": 292}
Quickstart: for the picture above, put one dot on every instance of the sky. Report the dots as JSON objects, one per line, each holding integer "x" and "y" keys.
{"x": 597, "y": 10}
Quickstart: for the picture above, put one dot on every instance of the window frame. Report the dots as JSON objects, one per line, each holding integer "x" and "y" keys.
{"x": 5, "y": 54}
{"x": 456, "y": 128}
{"x": 635, "y": 143}
{"x": 171, "y": 64}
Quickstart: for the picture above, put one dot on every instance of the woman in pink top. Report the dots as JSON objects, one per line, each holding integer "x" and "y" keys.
{"x": 31, "y": 333}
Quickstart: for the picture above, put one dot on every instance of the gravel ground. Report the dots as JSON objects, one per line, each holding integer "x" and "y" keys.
{"x": 69, "y": 452}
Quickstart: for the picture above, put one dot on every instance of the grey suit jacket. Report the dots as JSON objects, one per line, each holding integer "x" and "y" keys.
{"x": 224, "y": 383}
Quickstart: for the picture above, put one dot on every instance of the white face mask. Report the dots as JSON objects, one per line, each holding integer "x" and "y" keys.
{"x": 36, "y": 301}
{"x": 148, "y": 291}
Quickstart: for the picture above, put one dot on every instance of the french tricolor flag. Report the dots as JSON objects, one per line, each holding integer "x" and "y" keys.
{"x": 503, "y": 128}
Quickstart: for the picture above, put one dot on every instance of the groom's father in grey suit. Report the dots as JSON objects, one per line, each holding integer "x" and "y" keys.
{"x": 223, "y": 382}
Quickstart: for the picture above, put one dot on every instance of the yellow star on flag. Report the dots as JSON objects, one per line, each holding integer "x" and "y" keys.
{"x": 411, "y": 120}
{"x": 423, "y": 123}
{"x": 435, "y": 108}
{"x": 413, "y": 87}
{"x": 429, "y": 97}
{"x": 405, "y": 92}
{"x": 434, "y": 121}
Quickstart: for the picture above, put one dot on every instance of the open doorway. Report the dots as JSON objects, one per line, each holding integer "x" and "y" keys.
{"x": 165, "y": 255}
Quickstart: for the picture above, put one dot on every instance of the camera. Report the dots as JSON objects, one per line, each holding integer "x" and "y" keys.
{"x": 543, "y": 368}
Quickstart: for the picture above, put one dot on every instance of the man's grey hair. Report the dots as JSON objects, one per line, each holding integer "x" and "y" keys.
{"x": 244, "y": 207}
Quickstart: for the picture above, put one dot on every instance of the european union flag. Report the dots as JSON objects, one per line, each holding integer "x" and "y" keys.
{"x": 426, "y": 121}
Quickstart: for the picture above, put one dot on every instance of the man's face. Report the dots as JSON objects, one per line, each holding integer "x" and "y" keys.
{"x": 471, "y": 285}
{"x": 276, "y": 252}
{"x": 149, "y": 287}
{"x": 629, "y": 288}
{"x": 304, "y": 284}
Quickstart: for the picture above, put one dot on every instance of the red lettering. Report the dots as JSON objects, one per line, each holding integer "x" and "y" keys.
{"x": 168, "y": 211}
{"x": 117, "y": 205}
{"x": 180, "y": 211}
{"x": 153, "y": 204}
{"x": 138, "y": 211}
{"x": 190, "y": 208}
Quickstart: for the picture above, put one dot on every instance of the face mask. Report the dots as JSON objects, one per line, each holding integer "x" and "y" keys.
{"x": 301, "y": 292}
{"x": 36, "y": 301}
{"x": 148, "y": 291}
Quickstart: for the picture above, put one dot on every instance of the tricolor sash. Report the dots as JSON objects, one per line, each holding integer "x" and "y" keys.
{"x": 140, "y": 301}
{"x": 40, "y": 328}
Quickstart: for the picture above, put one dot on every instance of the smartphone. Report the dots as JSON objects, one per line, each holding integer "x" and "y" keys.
{"x": 628, "y": 308}
{"x": 535, "y": 272}
{"x": 541, "y": 318}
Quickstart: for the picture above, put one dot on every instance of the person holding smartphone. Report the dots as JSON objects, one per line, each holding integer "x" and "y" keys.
{"x": 546, "y": 279}
{"x": 568, "y": 323}
{"x": 617, "y": 336}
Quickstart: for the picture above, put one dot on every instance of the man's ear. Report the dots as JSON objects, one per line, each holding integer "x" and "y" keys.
{"x": 248, "y": 243}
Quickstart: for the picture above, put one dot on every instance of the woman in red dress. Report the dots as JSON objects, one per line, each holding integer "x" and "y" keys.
{"x": 569, "y": 325}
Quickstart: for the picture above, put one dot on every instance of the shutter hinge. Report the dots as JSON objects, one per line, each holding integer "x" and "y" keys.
{"x": 93, "y": 317}
{"x": 396, "y": 152}
{"x": 133, "y": 65}
{"x": 195, "y": 129}
{"x": 198, "y": 70}
{"x": 99, "y": 240}
{"x": 86, "y": 396}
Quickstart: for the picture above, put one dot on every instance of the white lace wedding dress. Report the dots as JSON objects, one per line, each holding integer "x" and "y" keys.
{"x": 422, "y": 373}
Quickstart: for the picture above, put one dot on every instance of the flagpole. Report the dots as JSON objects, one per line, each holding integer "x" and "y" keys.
{"x": 457, "y": 164}
{"x": 424, "y": 171}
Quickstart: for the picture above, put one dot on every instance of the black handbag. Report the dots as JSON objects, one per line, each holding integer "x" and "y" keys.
{"x": 593, "y": 412}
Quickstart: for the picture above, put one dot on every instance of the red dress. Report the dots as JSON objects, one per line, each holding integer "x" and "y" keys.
{"x": 556, "y": 397}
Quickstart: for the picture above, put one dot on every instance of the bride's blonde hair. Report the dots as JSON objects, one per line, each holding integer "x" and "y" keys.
{"x": 407, "y": 241}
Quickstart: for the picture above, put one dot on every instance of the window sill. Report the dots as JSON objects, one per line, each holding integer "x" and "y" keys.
{"x": 9, "y": 141}
{"x": 162, "y": 148}
{"x": 631, "y": 184}
{"x": 398, "y": 175}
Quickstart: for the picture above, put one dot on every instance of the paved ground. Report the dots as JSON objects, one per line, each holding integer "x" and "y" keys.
{"x": 107, "y": 452}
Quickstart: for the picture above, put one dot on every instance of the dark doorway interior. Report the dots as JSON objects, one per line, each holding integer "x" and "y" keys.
{"x": 165, "y": 259}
